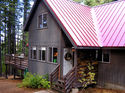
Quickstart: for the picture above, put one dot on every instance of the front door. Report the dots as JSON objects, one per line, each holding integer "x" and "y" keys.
{"x": 67, "y": 60}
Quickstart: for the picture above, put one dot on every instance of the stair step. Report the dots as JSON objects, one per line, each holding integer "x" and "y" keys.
{"x": 58, "y": 89}
{"x": 61, "y": 82}
{"x": 59, "y": 85}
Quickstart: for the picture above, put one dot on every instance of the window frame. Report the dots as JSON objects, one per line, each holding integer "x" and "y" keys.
{"x": 40, "y": 49}
{"x": 106, "y": 52}
{"x": 34, "y": 48}
{"x": 38, "y": 21}
{"x": 102, "y": 56}
{"x": 52, "y": 55}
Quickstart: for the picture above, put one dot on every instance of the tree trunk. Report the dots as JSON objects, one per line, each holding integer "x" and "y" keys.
{"x": 0, "y": 50}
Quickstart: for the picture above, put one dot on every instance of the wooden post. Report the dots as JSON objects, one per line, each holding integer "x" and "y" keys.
{"x": 59, "y": 72}
{"x": 50, "y": 80}
{"x": 6, "y": 72}
{"x": 22, "y": 74}
{"x": 14, "y": 73}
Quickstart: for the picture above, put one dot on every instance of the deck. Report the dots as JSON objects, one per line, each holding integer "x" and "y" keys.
{"x": 16, "y": 62}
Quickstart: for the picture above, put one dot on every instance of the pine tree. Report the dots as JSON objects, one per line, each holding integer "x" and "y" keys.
{"x": 0, "y": 48}
{"x": 26, "y": 12}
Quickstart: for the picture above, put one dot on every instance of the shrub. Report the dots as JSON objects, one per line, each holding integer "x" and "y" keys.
{"x": 35, "y": 81}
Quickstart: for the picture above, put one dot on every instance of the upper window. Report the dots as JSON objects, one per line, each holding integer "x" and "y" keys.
{"x": 103, "y": 56}
{"x": 53, "y": 52}
{"x": 42, "y": 20}
{"x": 42, "y": 53}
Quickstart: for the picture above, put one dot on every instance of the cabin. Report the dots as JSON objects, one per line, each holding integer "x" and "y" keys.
{"x": 65, "y": 36}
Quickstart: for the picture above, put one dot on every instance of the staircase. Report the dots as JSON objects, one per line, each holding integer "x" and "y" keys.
{"x": 63, "y": 85}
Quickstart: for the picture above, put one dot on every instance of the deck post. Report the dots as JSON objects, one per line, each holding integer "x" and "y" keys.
{"x": 6, "y": 72}
{"x": 14, "y": 73}
{"x": 22, "y": 74}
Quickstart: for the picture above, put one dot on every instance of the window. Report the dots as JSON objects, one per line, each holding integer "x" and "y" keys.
{"x": 42, "y": 53}
{"x": 42, "y": 20}
{"x": 53, "y": 55}
{"x": 99, "y": 55}
{"x": 34, "y": 53}
{"x": 103, "y": 56}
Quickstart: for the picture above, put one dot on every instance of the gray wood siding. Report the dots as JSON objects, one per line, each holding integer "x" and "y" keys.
{"x": 48, "y": 37}
{"x": 112, "y": 75}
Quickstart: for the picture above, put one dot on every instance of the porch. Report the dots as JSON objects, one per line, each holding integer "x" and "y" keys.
{"x": 64, "y": 83}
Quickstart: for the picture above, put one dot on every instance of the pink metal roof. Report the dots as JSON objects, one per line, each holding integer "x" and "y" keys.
{"x": 101, "y": 26}
{"x": 111, "y": 23}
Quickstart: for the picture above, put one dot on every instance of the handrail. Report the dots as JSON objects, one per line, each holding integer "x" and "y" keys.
{"x": 69, "y": 72}
{"x": 69, "y": 79}
{"x": 55, "y": 74}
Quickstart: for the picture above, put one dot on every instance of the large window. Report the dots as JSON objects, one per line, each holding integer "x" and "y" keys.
{"x": 34, "y": 54}
{"x": 42, "y": 53}
{"x": 42, "y": 20}
{"x": 103, "y": 56}
{"x": 53, "y": 53}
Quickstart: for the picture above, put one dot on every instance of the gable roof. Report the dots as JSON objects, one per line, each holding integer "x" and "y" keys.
{"x": 101, "y": 26}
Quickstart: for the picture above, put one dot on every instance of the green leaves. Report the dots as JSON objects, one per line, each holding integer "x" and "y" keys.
{"x": 93, "y": 2}
{"x": 35, "y": 81}
{"x": 96, "y": 2}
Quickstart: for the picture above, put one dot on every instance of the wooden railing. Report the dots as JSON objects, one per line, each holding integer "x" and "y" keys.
{"x": 17, "y": 62}
{"x": 69, "y": 79}
{"x": 55, "y": 75}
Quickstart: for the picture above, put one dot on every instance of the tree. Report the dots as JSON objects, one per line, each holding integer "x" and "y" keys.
{"x": 26, "y": 12}
{"x": 94, "y": 2}
{"x": 9, "y": 14}
{"x": 0, "y": 49}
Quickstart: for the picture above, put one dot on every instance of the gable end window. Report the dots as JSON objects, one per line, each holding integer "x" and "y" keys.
{"x": 42, "y": 20}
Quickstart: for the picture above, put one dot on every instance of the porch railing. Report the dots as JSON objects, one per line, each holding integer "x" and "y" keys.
{"x": 69, "y": 79}
{"x": 55, "y": 75}
{"x": 17, "y": 62}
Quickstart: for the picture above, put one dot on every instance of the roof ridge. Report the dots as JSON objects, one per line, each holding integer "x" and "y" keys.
{"x": 108, "y": 3}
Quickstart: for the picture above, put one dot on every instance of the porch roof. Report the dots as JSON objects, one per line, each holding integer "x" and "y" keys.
{"x": 100, "y": 26}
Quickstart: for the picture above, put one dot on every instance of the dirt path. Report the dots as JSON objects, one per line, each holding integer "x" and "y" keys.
{"x": 100, "y": 90}
{"x": 10, "y": 86}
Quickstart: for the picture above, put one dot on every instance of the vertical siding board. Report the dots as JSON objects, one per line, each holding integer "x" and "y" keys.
{"x": 113, "y": 72}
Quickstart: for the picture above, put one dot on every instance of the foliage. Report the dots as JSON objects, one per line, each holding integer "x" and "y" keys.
{"x": 20, "y": 45}
{"x": 96, "y": 2}
{"x": 89, "y": 77}
{"x": 35, "y": 81}
{"x": 93, "y": 2}
{"x": 11, "y": 13}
